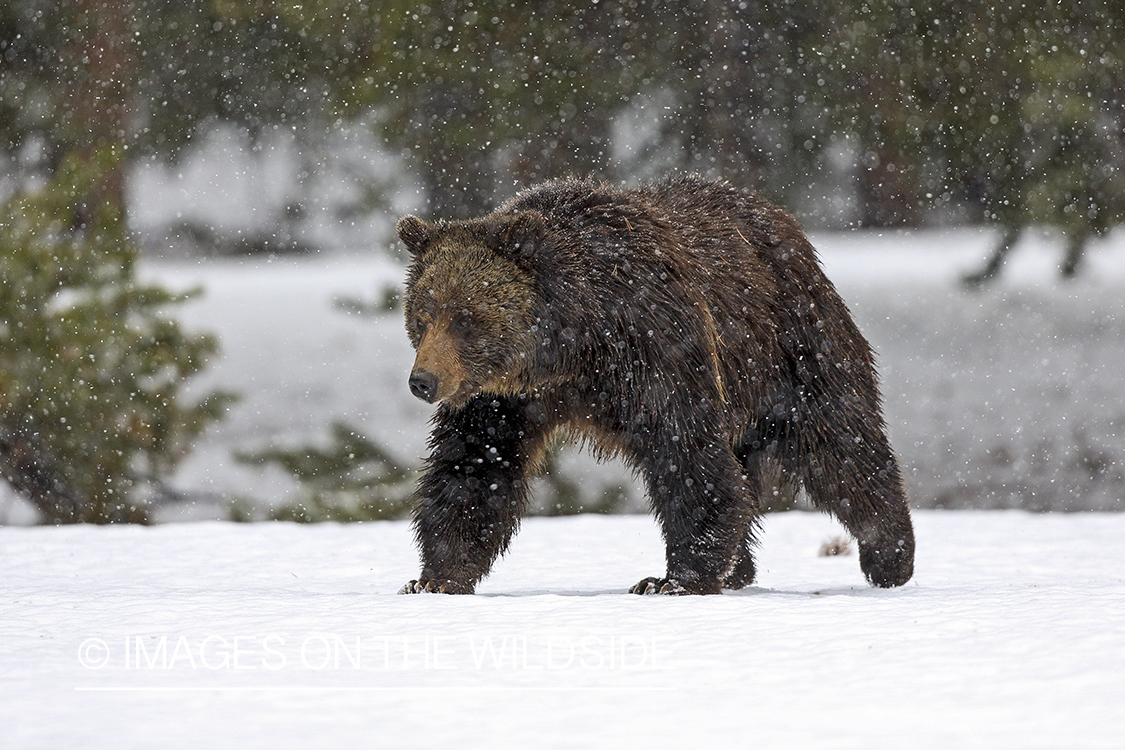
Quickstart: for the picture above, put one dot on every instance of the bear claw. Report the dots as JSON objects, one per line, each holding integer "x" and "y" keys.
{"x": 434, "y": 587}
{"x": 652, "y": 585}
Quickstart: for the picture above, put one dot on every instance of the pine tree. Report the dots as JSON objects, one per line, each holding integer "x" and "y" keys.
{"x": 91, "y": 412}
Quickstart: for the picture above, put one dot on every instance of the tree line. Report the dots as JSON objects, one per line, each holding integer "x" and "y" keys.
{"x": 911, "y": 112}
{"x": 1000, "y": 112}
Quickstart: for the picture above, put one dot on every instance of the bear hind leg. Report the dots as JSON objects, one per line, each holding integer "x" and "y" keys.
{"x": 743, "y": 571}
{"x": 860, "y": 483}
{"x": 706, "y": 512}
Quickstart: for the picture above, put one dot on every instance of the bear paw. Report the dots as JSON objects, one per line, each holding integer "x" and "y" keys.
{"x": 888, "y": 565}
{"x": 653, "y": 585}
{"x": 435, "y": 587}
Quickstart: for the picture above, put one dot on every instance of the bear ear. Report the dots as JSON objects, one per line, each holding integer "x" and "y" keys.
{"x": 524, "y": 234}
{"x": 414, "y": 233}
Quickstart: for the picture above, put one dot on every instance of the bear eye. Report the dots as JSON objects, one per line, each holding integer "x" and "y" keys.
{"x": 463, "y": 321}
{"x": 420, "y": 327}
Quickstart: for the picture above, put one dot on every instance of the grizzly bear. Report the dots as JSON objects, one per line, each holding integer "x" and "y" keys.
{"x": 686, "y": 327}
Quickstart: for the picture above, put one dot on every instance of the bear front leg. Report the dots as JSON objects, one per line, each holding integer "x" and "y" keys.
{"x": 705, "y": 512}
{"x": 473, "y": 491}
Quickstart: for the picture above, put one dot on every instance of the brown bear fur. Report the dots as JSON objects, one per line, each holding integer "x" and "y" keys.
{"x": 686, "y": 327}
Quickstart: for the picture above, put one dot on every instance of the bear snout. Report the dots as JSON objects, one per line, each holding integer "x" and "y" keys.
{"x": 424, "y": 385}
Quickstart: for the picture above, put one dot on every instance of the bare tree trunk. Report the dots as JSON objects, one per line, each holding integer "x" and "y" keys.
{"x": 97, "y": 95}
{"x": 992, "y": 267}
{"x": 1075, "y": 249}
{"x": 886, "y": 191}
{"x": 100, "y": 66}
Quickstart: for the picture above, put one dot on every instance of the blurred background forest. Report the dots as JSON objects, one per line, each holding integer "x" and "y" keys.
{"x": 858, "y": 113}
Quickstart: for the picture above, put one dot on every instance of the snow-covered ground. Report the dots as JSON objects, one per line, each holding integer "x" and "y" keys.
{"x": 277, "y": 636}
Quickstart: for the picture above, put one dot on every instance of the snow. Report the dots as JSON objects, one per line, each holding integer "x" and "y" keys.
{"x": 285, "y": 636}
{"x": 1010, "y": 634}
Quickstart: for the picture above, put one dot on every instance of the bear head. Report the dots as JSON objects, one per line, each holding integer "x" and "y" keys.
{"x": 470, "y": 304}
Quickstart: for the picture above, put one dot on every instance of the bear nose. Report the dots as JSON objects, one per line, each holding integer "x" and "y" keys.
{"x": 424, "y": 385}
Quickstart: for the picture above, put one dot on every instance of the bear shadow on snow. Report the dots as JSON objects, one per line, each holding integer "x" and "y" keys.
{"x": 685, "y": 326}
